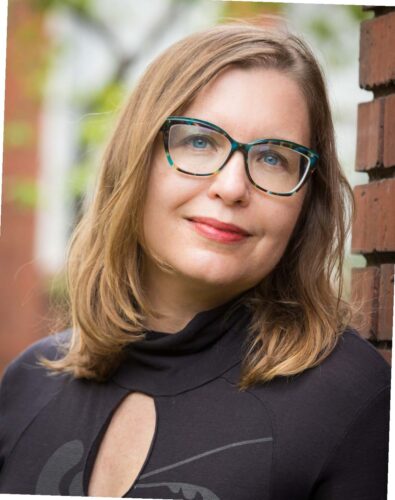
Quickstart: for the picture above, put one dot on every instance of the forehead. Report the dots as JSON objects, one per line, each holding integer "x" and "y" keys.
{"x": 254, "y": 103}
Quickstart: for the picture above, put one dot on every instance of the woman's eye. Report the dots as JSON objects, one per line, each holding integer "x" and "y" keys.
{"x": 273, "y": 159}
{"x": 200, "y": 142}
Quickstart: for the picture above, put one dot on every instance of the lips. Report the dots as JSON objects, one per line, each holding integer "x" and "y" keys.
{"x": 222, "y": 226}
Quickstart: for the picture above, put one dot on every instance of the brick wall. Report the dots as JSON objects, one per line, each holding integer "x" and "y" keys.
{"x": 23, "y": 300}
{"x": 373, "y": 233}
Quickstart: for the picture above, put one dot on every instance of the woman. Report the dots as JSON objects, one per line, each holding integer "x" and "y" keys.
{"x": 209, "y": 355}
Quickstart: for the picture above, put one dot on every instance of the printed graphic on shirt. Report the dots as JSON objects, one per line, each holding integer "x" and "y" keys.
{"x": 62, "y": 461}
{"x": 67, "y": 456}
{"x": 188, "y": 491}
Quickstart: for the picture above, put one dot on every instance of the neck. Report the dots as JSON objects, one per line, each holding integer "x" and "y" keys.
{"x": 176, "y": 300}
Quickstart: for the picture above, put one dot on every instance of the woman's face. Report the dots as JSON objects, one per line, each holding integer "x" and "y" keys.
{"x": 249, "y": 104}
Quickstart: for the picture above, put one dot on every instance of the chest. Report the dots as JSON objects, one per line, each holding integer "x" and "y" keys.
{"x": 213, "y": 441}
{"x": 124, "y": 447}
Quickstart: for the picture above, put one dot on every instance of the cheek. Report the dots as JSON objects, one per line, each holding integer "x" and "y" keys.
{"x": 284, "y": 218}
{"x": 279, "y": 218}
{"x": 153, "y": 207}
{"x": 168, "y": 191}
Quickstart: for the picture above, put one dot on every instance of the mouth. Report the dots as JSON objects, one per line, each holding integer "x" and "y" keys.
{"x": 217, "y": 230}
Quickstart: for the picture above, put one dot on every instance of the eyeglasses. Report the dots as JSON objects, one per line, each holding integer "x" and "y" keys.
{"x": 200, "y": 148}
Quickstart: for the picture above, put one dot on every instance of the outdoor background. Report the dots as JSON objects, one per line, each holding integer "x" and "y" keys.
{"x": 70, "y": 64}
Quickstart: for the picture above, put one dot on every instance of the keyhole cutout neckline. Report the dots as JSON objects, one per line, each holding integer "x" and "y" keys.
{"x": 124, "y": 447}
{"x": 159, "y": 365}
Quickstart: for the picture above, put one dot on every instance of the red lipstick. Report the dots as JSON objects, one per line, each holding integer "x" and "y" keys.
{"x": 217, "y": 230}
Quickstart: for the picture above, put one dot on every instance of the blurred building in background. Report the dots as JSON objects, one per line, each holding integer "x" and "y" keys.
{"x": 23, "y": 291}
{"x": 70, "y": 64}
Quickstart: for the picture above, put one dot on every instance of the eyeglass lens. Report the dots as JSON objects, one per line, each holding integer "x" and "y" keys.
{"x": 198, "y": 150}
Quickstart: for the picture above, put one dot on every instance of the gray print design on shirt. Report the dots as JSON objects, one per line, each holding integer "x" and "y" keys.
{"x": 70, "y": 454}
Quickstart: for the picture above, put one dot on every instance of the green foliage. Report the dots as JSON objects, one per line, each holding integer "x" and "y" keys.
{"x": 38, "y": 77}
{"x": 22, "y": 192}
{"x": 79, "y": 179}
{"x": 326, "y": 30}
{"x": 327, "y": 26}
{"x": 31, "y": 69}
{"x": 322, "y": 29}
{"x": 359, "y": 15}
{"x": 95, "y": 128}
{"x": 318, "y": 25}
{"x": 108, "y": 98}
{"x": 18, "y": 133}
{"x": 246, "y": 10}
{"x": 98, "y": 120}
{"x": 78, "y": 6}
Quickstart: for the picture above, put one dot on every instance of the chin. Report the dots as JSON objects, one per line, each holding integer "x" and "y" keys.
{"x": 214, "y": 273}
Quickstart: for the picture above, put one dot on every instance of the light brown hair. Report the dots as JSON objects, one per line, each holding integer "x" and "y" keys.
{"x": 298, "y": 313}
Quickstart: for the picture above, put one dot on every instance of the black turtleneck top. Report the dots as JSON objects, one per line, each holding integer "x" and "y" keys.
{"x": 319, "y": 435}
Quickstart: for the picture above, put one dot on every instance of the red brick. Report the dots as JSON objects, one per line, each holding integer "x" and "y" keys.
{"x": 364, "y": 297}
{"x": 385, "y": 302}
{"x": 359, "y": 228}
{"x": 377, "y": 54}
{"x": 23, "y": 304}
{"x": 387, "y": 355}
{"x": 374, "y": 228}
{"x": 370, "y": 133}
{"x": 389, "y": 130}
{"x": 376, "y": 132}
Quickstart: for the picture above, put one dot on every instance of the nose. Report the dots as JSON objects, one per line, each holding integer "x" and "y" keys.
{"x": 231, "y": 183}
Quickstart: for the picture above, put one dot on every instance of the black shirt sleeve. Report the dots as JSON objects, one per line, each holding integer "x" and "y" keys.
{"x": 357, "y": 468}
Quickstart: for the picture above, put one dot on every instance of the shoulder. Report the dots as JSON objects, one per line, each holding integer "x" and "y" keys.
{"x": 355, "y": 383}
{"x": 354, "y": 367}
{"x": 356, "y": 361}
{"x": 331, "y": 413}
{"x": 351, "y": 376}
{"x": 26, "y": 387}
{"x": 47, "y": 346}
{"x": 354, "y": 374}
{"x": 25, "y": 368}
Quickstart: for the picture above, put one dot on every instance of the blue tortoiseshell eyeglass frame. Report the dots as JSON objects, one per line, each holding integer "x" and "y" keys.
{"x": 311, "y": 155}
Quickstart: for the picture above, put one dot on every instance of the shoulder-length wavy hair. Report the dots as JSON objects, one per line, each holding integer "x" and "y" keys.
{"x": 298, "y": 313}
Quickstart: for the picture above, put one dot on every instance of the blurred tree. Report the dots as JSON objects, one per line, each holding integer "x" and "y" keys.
{"x": 319, "y": 26}
{"x": 97, "y": 107}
